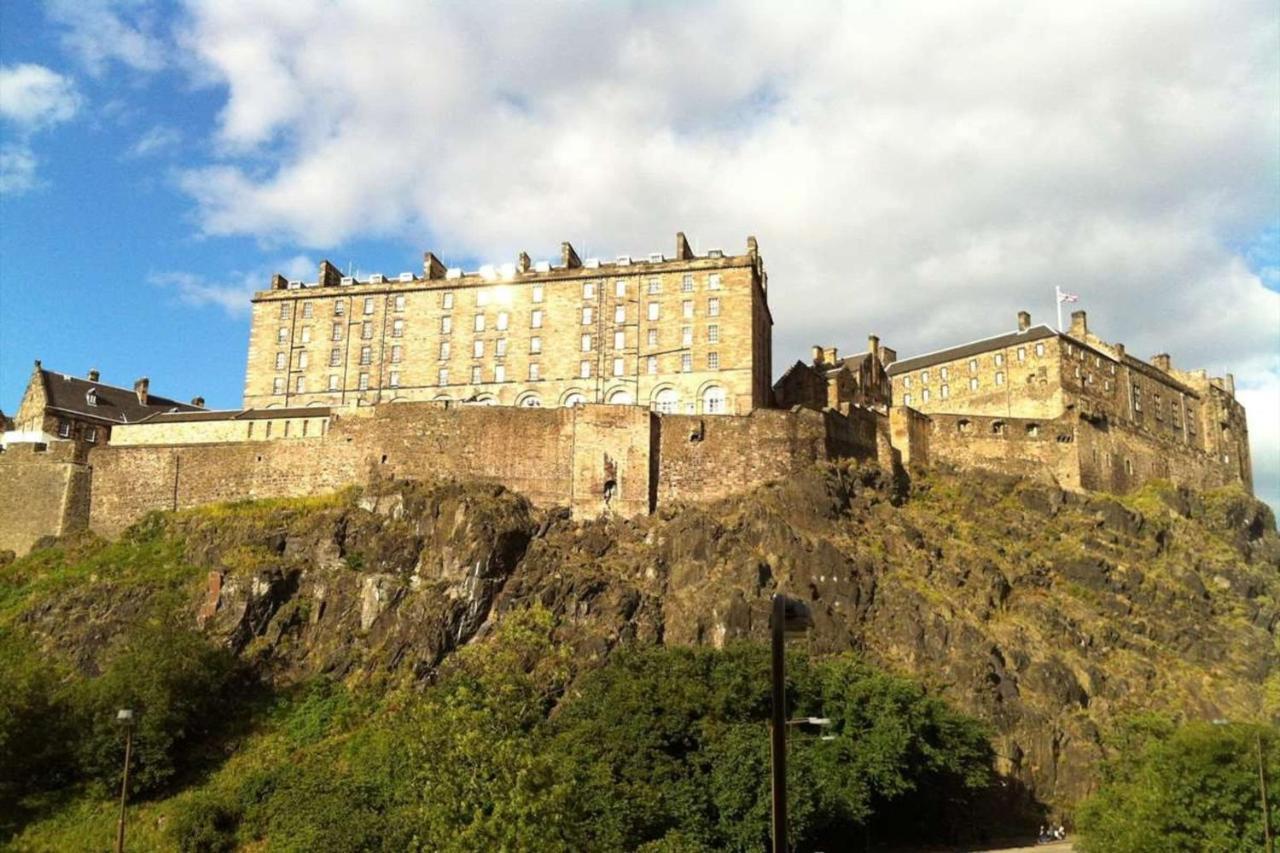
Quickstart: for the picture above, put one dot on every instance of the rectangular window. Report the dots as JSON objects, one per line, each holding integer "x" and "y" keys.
{"x": 446, "y": 324}
{"x": 686, "y": 336}
{"x": 652, "y": 364}
{"x": 686, "y": 309}
{"x": 477, "y": 349}
{"x": 999, "y": 377}
{"x": 339, "y": 308}
{"x": 944, "y": 391}
{"x": 586, "y": 343}
{"x": 655, "y": 285}
{"x": 335, "y": 357}
{"x": 924, "y": 396}
{"x": 302, "y": 360}
{"x": 654, "y": 310}
{"x": 277, "y": 387}
{"x": 500, "y": 373}
{"x": 587, "y": 315}
{"x": 482, "y": 298}
{"x": 366, "y": 355}
{"x": 363, "y": 384}
{"x": 535, "y": 371}
{"x": 398, "y": 305}
{"x": 1022, "y": 353}
{"x": 283, "y": 335}
{"x": 620, "y": 288}
{"x": 686, "y": 363}
{"x": 397, "y": 328}
{"x": 337, "y": 332}
{"x": 444, "y": 350}
{"x": 502, "y": 321}
{"x": 618, "y": 366}
{"x": 446, "y": 300}
{"x": 1039, "y": 349}
{"x": 535, "y": 344}
{"x": 284, "y": 310}
{"x": 306, "y": 334}
{"x": 500, "y": 347}
{"x": 713, "y": 361}
{"x": 713, "y": 281}
{"x": 619, "y": 340}
{"x": 973, "y": 383}
{"x": 619, "y": 313}
{"x": 333, "y": 382}
{"x": 944, "y": 373}
{"x": 906, "y": 382}
{"x": 397, "y": 353}
{"x": 973, "y": 365}
{"x": 535, "y": 319}
{"x": 479, "y": 323}
{"x": 999, "y": 359}
{"x": 584, "y": 369}
{"x": 686, "y": 283}
{"x": 713, "y": 334}
{"x": 366, "y": 330}
{"x": 537, "y": 293}
{"x": 652, "y": 337}
{"x": 713, "y": 307}
{"x": 442, "y": 376}
{"x": 477, "y": 375}
{"x": 280, "y": 361}
{"x": 393, "y": 379}
{"x": 368, "y": 305}
{"x": 307, "y": 311}
{"x": 588, "y": 290}
{"x": 924, "y": 376}
{"x": 906, "y": 399}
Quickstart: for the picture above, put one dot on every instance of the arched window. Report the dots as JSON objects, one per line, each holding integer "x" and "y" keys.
{"x": 621, "y": 397}
{"x": 574, "y": 398}
{"x": 998, "y": 428}
{"x": 713, "y": 401}
{"x": 529, "y": 401}
{"x": 666, "y": 401}
{"x": 485, "y": 400}
{"x": 964, "y": 425}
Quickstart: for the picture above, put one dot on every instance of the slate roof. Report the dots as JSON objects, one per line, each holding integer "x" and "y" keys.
{"x": 236, "y": 415}
{"x": 1009, "y": 339}
{"x": 70, "y": 394}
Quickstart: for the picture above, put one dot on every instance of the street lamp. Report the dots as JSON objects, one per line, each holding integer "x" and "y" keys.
{"x": 125, "y": 718}
{"x": 790, "y": 618}
{"x": 1262, "y": 787}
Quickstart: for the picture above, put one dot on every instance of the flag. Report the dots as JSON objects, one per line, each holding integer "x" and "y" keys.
{"x": 1063, "y": 296}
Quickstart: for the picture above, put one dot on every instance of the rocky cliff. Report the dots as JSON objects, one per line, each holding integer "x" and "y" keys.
{"x": 1049, "y": 614}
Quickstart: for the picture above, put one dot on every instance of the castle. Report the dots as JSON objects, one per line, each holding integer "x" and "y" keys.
{"x": 609, "y": 386}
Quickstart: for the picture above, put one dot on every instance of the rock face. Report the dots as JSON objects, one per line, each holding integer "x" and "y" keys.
{"x": 1049, "y": 614}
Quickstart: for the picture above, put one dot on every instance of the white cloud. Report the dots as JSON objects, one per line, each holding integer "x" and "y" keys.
{"x": 99, "y": 32}
{"x": 156, "y": 140}
{"x": 232, "y": 292}
{"x": 919, "y": 170}
{"x": 32, "y": 96}
{"x": 17, "y": 170}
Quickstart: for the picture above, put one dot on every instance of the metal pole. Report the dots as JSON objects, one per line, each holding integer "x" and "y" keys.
{"x": 778, "y": 728}
{"x": 124, "y": 787}
{"x": 1262, "y": 784}
{"x": 1057, "y": 298}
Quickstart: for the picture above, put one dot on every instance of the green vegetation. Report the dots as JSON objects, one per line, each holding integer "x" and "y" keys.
{"x": 1190, "y": 787}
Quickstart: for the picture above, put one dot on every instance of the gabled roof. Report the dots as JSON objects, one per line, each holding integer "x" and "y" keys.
{"x": 853, "y": 362}
{"x": 70, "y": 394}
{"x": 799, "y": 365}
{"x": 1008, "y": 339}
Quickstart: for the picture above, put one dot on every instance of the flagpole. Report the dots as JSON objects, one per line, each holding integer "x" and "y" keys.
{"x": 1057, "y": 298}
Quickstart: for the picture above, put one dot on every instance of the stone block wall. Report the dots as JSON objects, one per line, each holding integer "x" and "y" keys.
{"x": 44, "y": 491}
{"x": 1024, "y": 447}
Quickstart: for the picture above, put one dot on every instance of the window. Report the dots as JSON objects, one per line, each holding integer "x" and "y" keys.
{"x": 1033, "y": 429}
{"x": 477, "y": 348}
{"x": 398, "y": 304}
{"x": 924, "y": 376}
{"x": 535, "y": 344}
{"x": 584, "y": 369}
{"x": 277, "y": 387}
{"x": 713, "y": 334}
{"x": 366, "y": 331}
{"x": 502, "y": 321}
{"x": 713, "y": 281}
{"x": 1040, "y": 349}
{"x": 713, "y": 361}
{"x": 618, "y": 367}
{"x": 477, "y": 374}
{"x": 300, "y": 385}
{"x": 652, "y": 337}
{"x": 397, "y": 354}
{"x": 282, "y": 336}
{"x": 535, "y": 319}
{"x": 393, "y": 379}
{"x": 302, "y": 360}
{"x": 973, "y": 383}
{"x": 999, "y": 359}
{"x": 686, "y": 283}
{"x": 446, "y": 324}
{"x": 686, "y": 336}
{"x": 588, "y": 290}
{"x": 619, "y": 340}
{"x": 363, "y": 384}
{"x": 444, "y": 350}
{"x": 619, "y": 313}
{"x": 713, "y": 401}
{"x": 337, "y": 332}
{"x": 306, "y": 334}
{"x": 368, "y": 305}
{"x": 587, "y": 315}
{"x": 651, "y": 364}
{"x": 586, "y": 343}
{"x": 446, "y": 300}
{"x": 906, "y": 382}
{"x": 906, "y": 399}
{"x": 335, "y": 357}
{"x": 500, "y": 373}
{"x": 397, "y": 328}
{"x": 686, "y": 309}
{"x": 1022, "y": 353}
{"x": 307, "y": 311}
{"x": 91, "y": 435}
{"x": 442, "y": 376}
{"x": 999, "y": 377}
{"x": 333, "y": 382}
{"x": 280, "y": 361}
{"x": 667, "y": 401}
{"x": 973, "y": 365}
{"x": 713, "y": 306}
{"x": 284, "y": 310}
{"x": 366, "y": 355}
{"x": 535, "y": 371}
{"x": 944, "y": 374}
{"x": 500, "y": 347}
{"x": 64, "y": 427}
{"x": 339, "y": 308}
{"x": 537, "y": 293}
{"x": 686, "y": 362}
{"x": 654, "y": 311}
{"x": 924, "y": 396}
{"x": 482, "y": 298}
{"x": 620, "y": 288}
{"x": 655, "y": 285}
{"x": 944, "y": 392}
{"x": 479, "y": 323}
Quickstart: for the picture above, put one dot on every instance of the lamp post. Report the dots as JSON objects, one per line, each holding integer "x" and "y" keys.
{"x": 789, "y": 618}
{"x": 125, "y": 718}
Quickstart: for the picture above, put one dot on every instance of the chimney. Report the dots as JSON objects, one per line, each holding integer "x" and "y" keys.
{"x": 524, "y": 262}
{"x": 1119, "y": 348}
{"x": 873, "y": 346}
{"x": 1230, "y": 382}
{"x": 94, "y": 374}
{"x": 888, "y": 356}
{"x": 198, "y": 402}
{"x": 830, "y": 355}
{"x": 330, "y": 276}
{"x": 1024, "y": 321}
{"x": 753, "y": 248}
{"x": 568, "y": 257}
{"x": 140, "y": 388}
{"x": 1079, "y": 325}
{"x": 279, "y": 282}
{"x": 818, "y": 355}
{"x": 683, "y": 251}
{"x": 1162, "y": 361}
{"x": 432, "y": 267}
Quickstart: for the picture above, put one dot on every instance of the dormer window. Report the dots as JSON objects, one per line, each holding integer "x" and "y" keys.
{"x": 91, "y": 396}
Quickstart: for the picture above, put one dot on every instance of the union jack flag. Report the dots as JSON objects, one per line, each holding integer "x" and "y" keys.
{"x": 1063, "y": 296}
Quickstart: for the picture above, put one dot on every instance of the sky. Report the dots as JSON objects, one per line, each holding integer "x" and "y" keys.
{"x": 917, "y": 170}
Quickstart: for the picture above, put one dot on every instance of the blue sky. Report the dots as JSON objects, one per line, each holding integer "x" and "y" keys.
{"x": 911, "y": 170}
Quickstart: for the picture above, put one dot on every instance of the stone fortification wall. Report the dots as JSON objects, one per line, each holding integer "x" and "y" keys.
{"x": 1025, "y": 447}
{"x": 209, "y": 431}
{"x": 1118, "y": 458}
{"x": 44, "y": 491}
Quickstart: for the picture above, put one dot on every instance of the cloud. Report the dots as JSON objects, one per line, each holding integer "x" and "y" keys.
{"x": 156, "y": 140}
{"x": 17, "y": 170}
{"x": 99, "y": 32}
{"x": 33, "y": 97}
{"x": 231, "y": 293}
{"x": 920, "y": 170}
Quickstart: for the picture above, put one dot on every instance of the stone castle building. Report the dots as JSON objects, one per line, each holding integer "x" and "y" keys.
{"x": 614, "y": 387}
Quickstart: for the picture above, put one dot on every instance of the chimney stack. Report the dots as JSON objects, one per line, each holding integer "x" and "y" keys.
{"x": 198, "y": 402}
{"x": 432, "y": 267}
{"x": 1024, "y": 321}
{"x": 140, "y": 388}
{"x": 818, "y": 355}
{"x": 524, "y": 262}
{"x": 1079, "y": 325}
{"x": 753, "y": 248}
{"x": 1230, "y": 382}
{"x": 94, "y": 374}
{"x": 568, "y": 257}
{"x": 683, "y": 250}
{"x": 1119, "y": 348}
{"x": 873, "y": 346}
{"x": 1162, "y": 361}
{"x": 330, "y": 276}
{"x": 279, "y": 282}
